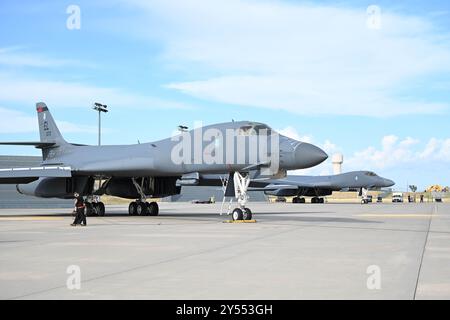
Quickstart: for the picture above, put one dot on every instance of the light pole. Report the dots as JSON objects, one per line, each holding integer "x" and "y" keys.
{"x": 100, "y": 108}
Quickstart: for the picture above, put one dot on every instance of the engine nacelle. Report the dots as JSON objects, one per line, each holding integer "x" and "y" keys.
{"x": 282, "y": 192}
{"x": 306, "y": 192}
{"x": 158, "y": 187}
{"x": 62, "y": 188}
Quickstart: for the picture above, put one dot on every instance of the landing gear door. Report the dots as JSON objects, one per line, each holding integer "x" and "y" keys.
{"x": 229, "y": 191}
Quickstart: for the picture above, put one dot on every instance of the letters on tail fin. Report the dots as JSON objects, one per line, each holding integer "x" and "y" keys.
{"x": 48, "y": 130}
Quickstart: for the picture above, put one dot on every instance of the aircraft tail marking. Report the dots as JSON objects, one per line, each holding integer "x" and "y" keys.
{"x": 48, "y": 129}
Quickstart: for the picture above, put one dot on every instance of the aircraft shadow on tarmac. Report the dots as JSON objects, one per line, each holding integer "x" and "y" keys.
{"x": 34, "y": 215}
{"x": 274, "y": 216}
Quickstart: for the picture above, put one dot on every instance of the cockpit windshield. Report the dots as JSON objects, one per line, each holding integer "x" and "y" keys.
{"x": 254, "y": 129}
{"x": 371, "y": 174}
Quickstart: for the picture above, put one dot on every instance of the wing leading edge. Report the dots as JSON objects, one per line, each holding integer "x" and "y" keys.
{"x": 39, "y": 145}
{"x": 27, "y": 175}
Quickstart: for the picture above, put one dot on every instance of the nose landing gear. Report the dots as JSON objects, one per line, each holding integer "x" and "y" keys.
{"x": 242, "y": 214}
{"x": 241, "y": 184}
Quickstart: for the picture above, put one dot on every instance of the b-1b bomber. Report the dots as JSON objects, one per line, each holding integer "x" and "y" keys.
{"x": 244, "y": 150}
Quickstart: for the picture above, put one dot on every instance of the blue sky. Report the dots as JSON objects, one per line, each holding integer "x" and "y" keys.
{"x": 313, "y": 70}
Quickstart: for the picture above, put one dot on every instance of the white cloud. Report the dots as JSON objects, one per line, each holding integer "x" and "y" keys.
{"x": 15, "y": 57}
{"x": 291, "y": 132}
{"x": 406, "y": 161}
{"x": 28, "y": 91}
{"x": 329, "y": 147}
{"x": 12, "y": 121}
{"x": 395, "y": 153}
{"x": 303, "y": 58}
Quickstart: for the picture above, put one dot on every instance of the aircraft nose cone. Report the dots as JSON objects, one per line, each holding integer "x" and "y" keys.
{"x": 308, "y": 155}
{"x": 388, "y": 182}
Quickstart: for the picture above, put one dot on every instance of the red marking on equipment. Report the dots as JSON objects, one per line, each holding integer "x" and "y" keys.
{"x": 40, "y": 109}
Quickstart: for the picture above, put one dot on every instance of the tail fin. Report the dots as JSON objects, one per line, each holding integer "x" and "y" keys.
{"x": 48, "y": 130}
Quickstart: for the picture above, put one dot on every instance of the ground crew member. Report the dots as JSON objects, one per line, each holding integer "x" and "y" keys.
{"x": 80, "y": 217}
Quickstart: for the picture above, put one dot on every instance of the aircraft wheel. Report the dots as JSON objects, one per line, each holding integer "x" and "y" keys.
{"x": 237, "y": 214}
{"x": 132, "y": 208}
{"x": 321, "y": 200}
{"x": 153, "y": 209}
{"x": 295, "y": 200}
{"x": 101, "y": 209}
{"x": 302, "y": 200}
{"x": 141, "y": 209}
{"x": 95, "y": 209}
{"x": 89, "y": 210}
{"x": 247, "y": 214}
{"x": 313, "y": 200}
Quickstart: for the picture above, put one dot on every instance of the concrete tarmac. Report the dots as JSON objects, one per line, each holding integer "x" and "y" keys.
{"x": 294, "y": 251}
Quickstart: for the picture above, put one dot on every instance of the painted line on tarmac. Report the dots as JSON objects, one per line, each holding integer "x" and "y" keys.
{"x": 239, "y": 221}
{"x": 395, "y": 215}
{"x": 30, "y": 218}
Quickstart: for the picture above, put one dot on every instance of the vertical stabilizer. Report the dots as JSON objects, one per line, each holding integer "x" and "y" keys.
{"x": 48, "y": 130}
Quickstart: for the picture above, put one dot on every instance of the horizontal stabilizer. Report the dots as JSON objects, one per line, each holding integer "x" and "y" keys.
{"x": 27, "y": 175}
{"x": 39, "y": 145}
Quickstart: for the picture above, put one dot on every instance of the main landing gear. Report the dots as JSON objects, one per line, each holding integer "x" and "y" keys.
{"x": 94, "y": 207}
{"x": 317, "y": 200}
{"x": 241, "y": 184}
{"x": 298, "y": 200}
{"x": 313, "y": 200}
{"x": 141, "y": 207}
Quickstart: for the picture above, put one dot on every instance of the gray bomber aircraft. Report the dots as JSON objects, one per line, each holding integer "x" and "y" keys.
{"x": 147, "y": 170}
{"x": 310, "y": 186}
{"x": 319, "y": 186}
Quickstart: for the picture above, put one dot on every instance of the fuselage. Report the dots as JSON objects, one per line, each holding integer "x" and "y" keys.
{"x": 352, "y": 180}
{"x": 152, "y": 169}
{"x": 217, "y": 148}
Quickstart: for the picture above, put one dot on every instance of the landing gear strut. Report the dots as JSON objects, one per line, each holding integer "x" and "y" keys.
{"x": 141, "y": 207}
{"x": 241, "y": 184}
